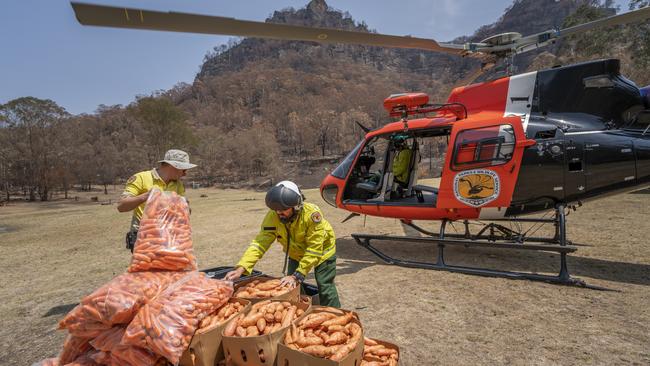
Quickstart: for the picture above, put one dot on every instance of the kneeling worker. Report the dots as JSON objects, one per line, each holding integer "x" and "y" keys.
{"x": 306, "y": 237}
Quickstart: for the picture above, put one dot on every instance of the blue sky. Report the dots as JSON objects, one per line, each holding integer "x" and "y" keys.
{"x": 47, "y": 54}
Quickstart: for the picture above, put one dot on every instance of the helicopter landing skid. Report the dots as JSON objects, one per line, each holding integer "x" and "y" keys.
{"x": 563, "y": 277}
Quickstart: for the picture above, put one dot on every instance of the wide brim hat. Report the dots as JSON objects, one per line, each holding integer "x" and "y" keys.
{"x": 179, "y": 159}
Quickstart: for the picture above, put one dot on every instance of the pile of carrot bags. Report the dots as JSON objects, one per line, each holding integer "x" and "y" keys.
{"x": 148, "y": 315}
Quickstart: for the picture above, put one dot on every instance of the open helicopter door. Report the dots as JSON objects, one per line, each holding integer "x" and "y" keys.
{"x": 482, "y": 164}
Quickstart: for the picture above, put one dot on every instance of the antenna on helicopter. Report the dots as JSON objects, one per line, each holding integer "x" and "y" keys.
{"x": 364, "y": 128}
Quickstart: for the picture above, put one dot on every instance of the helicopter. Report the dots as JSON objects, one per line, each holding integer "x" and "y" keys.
{"x": 541, "y": 142}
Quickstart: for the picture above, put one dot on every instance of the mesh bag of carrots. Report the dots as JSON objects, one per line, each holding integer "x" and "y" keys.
{"x": 73, "y": 347}
{"x": 166, "y": 325}
{"x": 116, "y": 302}
{"x": 47, "y": 362}
{"x": 164, "y": 239}
{"x": 112, "y": 352}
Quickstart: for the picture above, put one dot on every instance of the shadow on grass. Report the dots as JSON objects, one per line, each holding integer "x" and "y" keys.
{"x": 354, "y": 258}
{"x": 60, "y": 309}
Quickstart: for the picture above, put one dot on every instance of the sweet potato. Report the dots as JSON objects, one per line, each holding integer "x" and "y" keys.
{"x": 336, "y": 338}
{"x": 326, "y": 334}
{"x": 230, "y": 329}
{"x": 375, "y": 353}
{"x": 262, "y": 288}
{"x": 318, "y": 351}
{"x": 266, "y": 316}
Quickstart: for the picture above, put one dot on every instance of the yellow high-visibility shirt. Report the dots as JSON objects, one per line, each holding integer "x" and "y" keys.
{"x": 143, "y": 182}
{"x": 309, "y": 239}
{"x": 401, "y": 164}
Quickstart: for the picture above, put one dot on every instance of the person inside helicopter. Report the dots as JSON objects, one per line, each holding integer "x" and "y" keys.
{"x": 401, "y": 164}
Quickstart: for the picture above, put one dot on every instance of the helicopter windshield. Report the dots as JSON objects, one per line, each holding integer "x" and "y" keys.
{"x": 341, "y": 171}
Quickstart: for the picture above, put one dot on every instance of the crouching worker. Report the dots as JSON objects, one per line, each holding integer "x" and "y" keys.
{"x": 306, "y": 237}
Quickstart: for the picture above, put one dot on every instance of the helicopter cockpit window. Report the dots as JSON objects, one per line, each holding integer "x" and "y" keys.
{"x": 483, "y": 147}
{"x": 342, "y": 170}
{"x": 366, "y": 177}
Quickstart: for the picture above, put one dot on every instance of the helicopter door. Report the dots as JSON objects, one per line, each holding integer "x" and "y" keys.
{"x": 482, "y": 164}
{"x": 574, "y": 176}
{"x": 610, "y": 163}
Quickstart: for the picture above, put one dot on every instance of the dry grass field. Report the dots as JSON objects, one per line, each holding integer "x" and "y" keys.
{"x": 55, "y": 253}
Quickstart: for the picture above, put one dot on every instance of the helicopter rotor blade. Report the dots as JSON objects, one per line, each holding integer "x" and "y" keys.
{"x": 528, "y": 43}
{"x": 629, "y": 17}
{"x": 117, "y": 17}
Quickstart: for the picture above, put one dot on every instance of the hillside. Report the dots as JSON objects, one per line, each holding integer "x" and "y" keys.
{"x": 260, "y": 110}
{"x": 308, "y": 95}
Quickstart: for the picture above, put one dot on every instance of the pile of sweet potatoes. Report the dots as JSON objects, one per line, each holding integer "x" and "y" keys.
{"x": 261, "y": 289}
{"x": 326, "y": 333}
{"x": 265, "y": 317}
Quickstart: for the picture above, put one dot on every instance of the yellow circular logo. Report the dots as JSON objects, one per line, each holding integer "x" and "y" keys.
{"x": 316, "y": 217}
{"x": 476, "y": 187}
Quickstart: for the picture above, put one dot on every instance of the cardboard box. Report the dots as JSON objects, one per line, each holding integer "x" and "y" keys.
{"x": 260, "y": 350}
{"x": 206, "y": 348}
{"x": 306, "y": 300}
{"x": 291, "y": 296}
{"x": 312, "y": 291}
{"x": 290, "y": 357}
{"x": 389, "y": 345}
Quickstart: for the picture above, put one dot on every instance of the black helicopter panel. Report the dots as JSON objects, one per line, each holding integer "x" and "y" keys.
{"x": 574, "y": 170}
{"x": 609, "y": 163}
{"x": 594, "y": 90}
{"x": 543, "y": 169}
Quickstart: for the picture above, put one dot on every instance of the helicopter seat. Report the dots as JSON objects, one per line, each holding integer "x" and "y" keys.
{"x": 420, "y": 188}
{"x": 369, "y": 186}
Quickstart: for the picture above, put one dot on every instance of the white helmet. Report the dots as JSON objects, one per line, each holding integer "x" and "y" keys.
{"x": 284, "y": 195}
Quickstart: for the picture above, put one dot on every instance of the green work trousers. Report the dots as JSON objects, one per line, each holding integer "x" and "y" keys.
{"x": 324, "y": 273}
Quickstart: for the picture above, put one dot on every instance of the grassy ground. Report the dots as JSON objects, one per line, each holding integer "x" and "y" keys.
{"x": 55, "y": 253}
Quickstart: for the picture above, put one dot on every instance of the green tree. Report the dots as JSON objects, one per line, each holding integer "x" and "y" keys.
{"x": 32, "y": 129}
{"x": 163, "y": 126}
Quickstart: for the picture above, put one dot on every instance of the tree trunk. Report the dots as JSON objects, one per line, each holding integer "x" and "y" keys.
{"x": 44, "y": 195}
